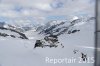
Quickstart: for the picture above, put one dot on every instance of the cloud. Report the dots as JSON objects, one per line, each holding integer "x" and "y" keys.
{"x": 57, "y": 4}
{"x": 40, "y": 10}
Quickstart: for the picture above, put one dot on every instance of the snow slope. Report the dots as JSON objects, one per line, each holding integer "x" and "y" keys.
{"x": 20, "y": 52}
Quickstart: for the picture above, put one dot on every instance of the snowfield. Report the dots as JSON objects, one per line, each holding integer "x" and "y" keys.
{"x": 20, "y": 52}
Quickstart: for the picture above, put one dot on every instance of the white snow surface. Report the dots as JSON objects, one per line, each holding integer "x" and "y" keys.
{"x": 19, "y": 52}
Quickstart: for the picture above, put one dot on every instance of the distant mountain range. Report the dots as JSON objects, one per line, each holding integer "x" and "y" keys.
{"x": 56, "y": 27}
{"x": 61, "y": 27}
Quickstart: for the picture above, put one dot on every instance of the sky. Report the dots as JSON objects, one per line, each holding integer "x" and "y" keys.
{"x": 40, "y": 11}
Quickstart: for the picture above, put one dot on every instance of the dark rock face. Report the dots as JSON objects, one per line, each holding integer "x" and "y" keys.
{"x": 52, "y": 41}
{"x": 38, "y": 44}
{"x": 73, "y": 31}
{"x": 22, "y": 36}
{"x": 4, "y": 34}
{"x": 52, "y": 38}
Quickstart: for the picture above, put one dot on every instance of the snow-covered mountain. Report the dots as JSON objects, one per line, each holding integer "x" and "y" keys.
{"x": 6, "y": 31}
{"x": 63, "y": 26}
{"x": 17, "y": 27}
{"x": 20, "y": 52}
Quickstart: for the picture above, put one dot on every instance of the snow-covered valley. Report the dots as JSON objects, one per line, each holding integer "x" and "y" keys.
{"x": 21, "y": 52}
